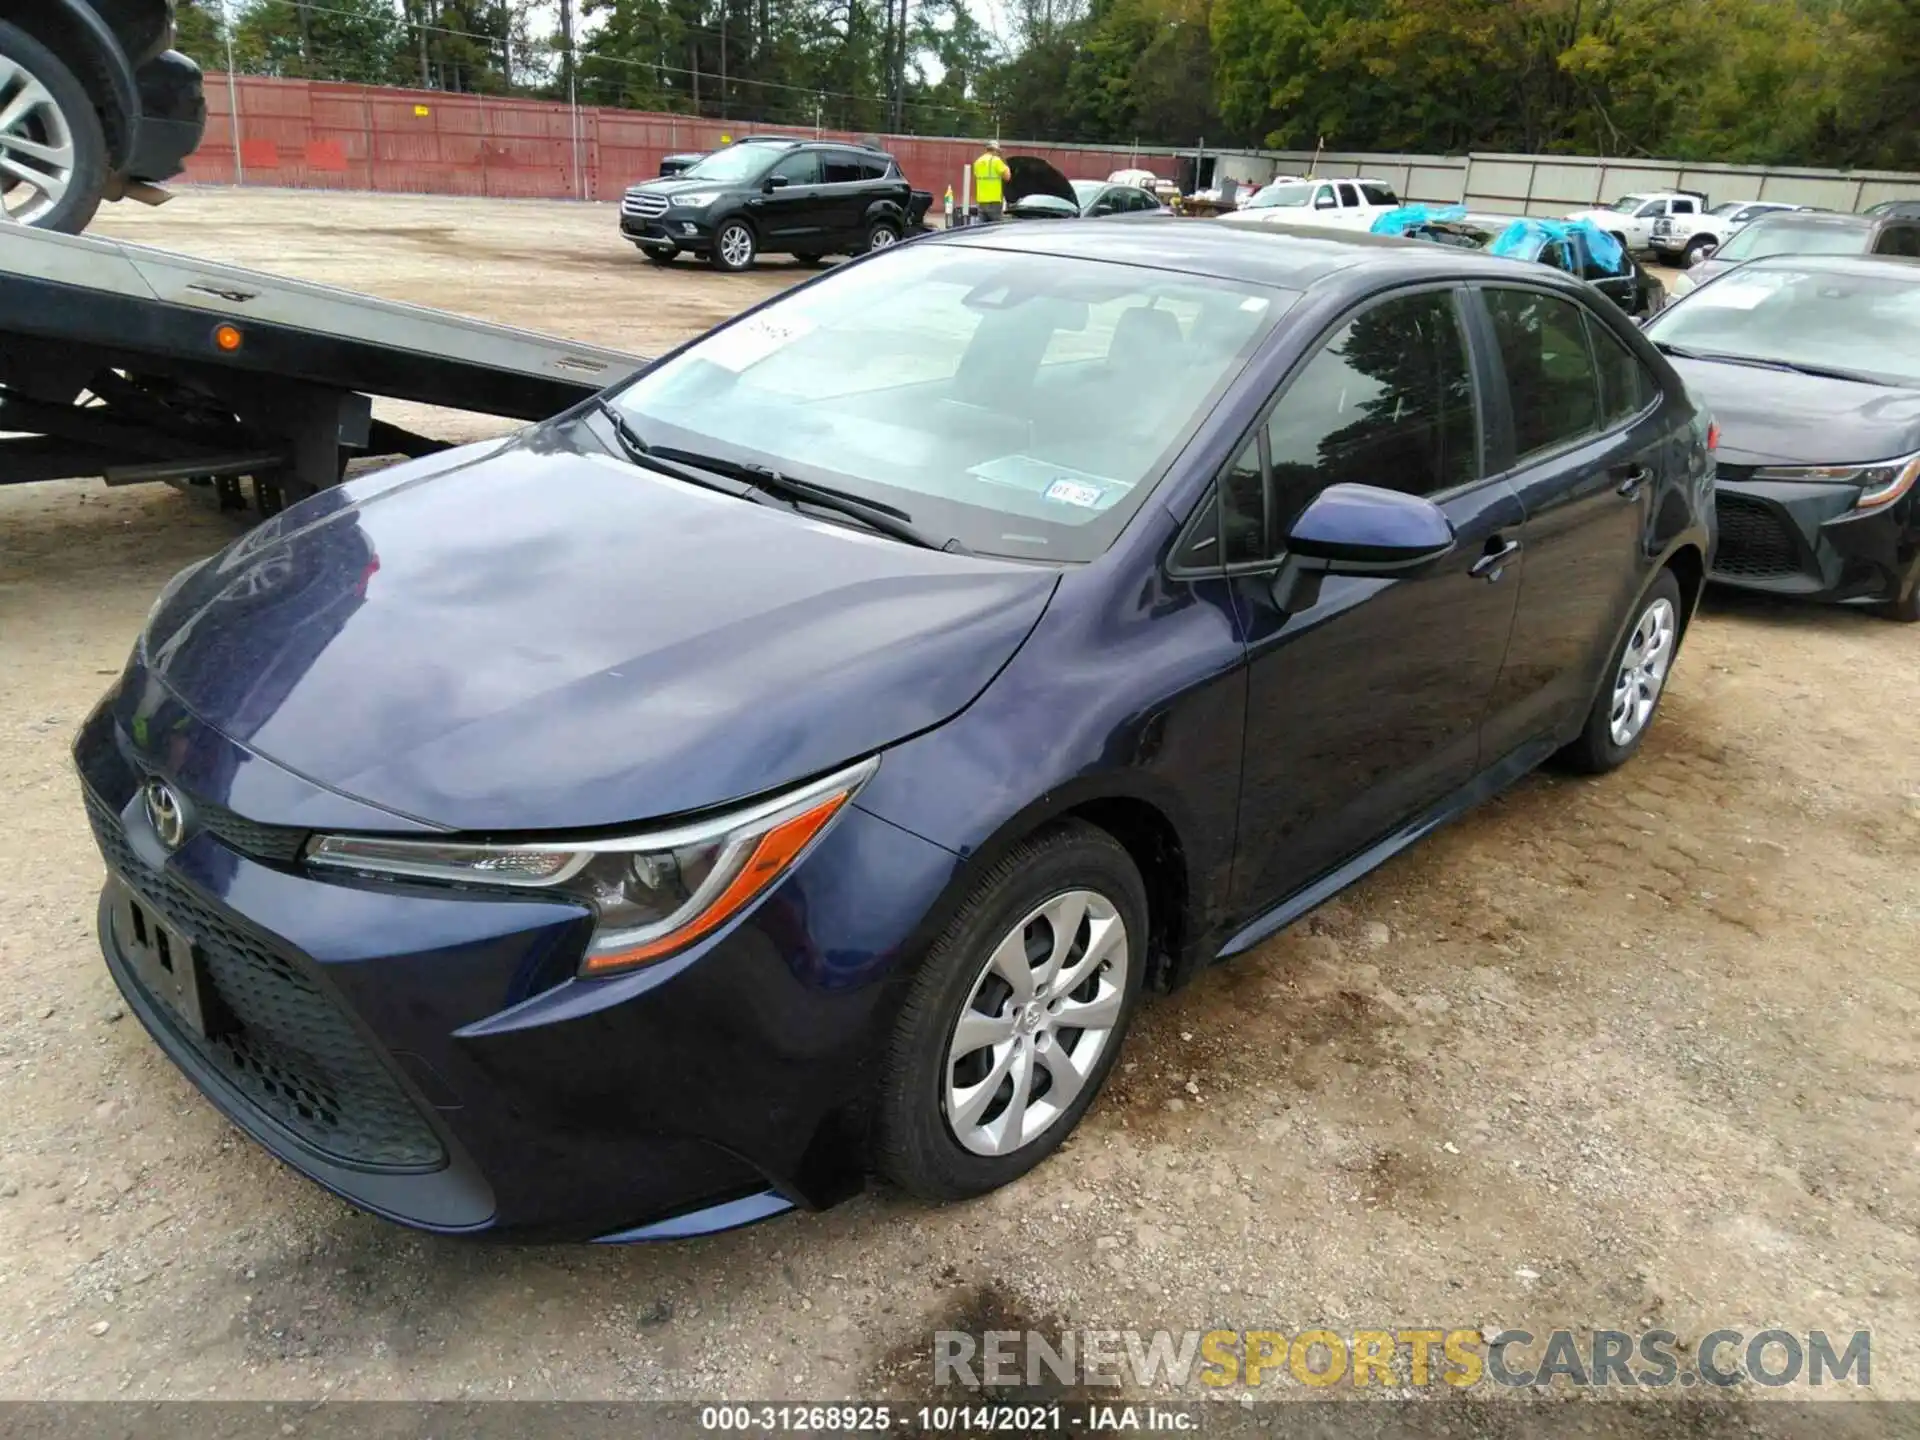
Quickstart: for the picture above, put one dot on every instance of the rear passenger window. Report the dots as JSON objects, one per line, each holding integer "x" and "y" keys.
{"x": 1543, "y": 345}
{"x": 1378, "y": 195}
{"x": 875, "y": 167}
{"x": 1625, "y": 386}
{"x": 1349, "y": 196}
{"x": 840, "y": 167}
{"x": 1388, "y": 401}
{"x": 1900, "y": 240}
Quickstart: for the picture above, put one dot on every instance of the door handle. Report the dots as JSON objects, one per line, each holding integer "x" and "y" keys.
{"x": 1631, "y": 478}
{"x": 1490, "y": 565}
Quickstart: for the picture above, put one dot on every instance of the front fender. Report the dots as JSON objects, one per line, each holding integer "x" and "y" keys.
{"x": 84, "y": 40}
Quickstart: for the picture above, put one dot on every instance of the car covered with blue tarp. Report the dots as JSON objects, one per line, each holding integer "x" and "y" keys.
{"x": 1578, "y": 247}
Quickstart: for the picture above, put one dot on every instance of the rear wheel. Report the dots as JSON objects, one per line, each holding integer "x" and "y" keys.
{"x": 882, "y": 234}
{"x": 734, "y": 246}
{"x": 1015, "y": 1017}
{"x": 1636, "y": 677}
{"x": 53, "y": 152}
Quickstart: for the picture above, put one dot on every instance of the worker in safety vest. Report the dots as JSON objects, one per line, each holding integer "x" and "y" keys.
{"x": 990, "y": 173}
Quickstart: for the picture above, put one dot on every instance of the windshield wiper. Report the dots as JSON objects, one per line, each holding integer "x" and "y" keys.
{"x": 875, "y": 514}
{"x": 641, "y": 453}
{"x": 1768, "y": 362}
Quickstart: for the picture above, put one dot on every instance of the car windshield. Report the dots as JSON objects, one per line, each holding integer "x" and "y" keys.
{"x": 1626, "y": 204}
{"x": 1023, "y": 404}
{"x": 1087, "y": 191}
{"x": 1787, "y": 237}
{"x": 1285, "y": 195}
{"x": 737, "y": 162}
{"x": 1869, "y": 324}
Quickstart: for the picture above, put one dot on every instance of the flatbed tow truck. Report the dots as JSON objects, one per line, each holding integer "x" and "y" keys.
{"x": 131, "y": 364}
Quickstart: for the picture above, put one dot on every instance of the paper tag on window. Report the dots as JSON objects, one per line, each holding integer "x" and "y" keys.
{"x": 751, "y": 341}
{"x": 1073, "y": 492}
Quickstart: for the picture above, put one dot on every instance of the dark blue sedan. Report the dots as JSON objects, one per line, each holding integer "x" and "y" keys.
{"x": 796, "y": 764}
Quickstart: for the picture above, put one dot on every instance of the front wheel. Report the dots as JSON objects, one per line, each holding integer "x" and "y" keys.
{"x": 882, "y": 234}
{"x": 1015, "y": 1017}
{"x": 1905, "y": 606}
{"x": 1696, "y": 252}
{"x": 734, "y": 246}
{"x": 1636, "y": 677}
{"x": 53, "y": 151}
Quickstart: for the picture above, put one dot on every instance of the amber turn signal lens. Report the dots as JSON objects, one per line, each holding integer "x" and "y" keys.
{"x": 228, "y": 337}
{"x": 776, "y": 850}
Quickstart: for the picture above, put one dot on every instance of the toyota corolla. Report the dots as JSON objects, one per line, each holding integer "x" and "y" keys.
{"x": 796, "y": 764}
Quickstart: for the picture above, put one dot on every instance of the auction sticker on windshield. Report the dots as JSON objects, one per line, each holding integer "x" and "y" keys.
{"x": 751, "y": 341}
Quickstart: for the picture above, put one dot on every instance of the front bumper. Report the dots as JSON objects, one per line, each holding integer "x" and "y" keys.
{"x": 1803, "y": 539}
{"x": 670, "y": 231}
{"x": 427, "y": 1054}
{"x": 173, "y": 117}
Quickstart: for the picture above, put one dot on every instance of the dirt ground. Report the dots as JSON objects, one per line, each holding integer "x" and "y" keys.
{"x": 1637, "y": 1051}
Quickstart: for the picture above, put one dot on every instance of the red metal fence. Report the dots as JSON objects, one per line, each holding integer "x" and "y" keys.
{"x": 314, "y": 134}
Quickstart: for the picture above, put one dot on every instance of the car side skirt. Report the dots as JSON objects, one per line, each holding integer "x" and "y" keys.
{"x": 1484, "y": 786}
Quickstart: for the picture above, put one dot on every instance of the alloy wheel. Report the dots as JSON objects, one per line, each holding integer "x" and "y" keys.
{"x": 1643, "y": 671}
{"x": 881, "y": 238}
{"x": 1039, "y": 1015}
{"x": 736, "y": 246}
{"x": 36, "y": 147}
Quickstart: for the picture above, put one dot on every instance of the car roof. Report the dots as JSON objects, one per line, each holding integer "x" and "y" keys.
{"x": 1903, "y": 267}
{"x": 1819, "y": 219}
{"x": 1282, "y": 256}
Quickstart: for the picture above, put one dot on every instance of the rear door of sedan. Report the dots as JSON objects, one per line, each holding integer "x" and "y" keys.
{"x": 1365, "y": 707}
{"x": 1580, "y": 429}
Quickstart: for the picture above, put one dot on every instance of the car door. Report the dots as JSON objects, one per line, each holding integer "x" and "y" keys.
{"x": 1639, "y": 229}
{"x": 1365, "y": 707}
{"x": 789, "y": 213}
{"x": 1326, "y": 206}
{"x": 1578, "y": 430}
{"x": 843, "y": 197}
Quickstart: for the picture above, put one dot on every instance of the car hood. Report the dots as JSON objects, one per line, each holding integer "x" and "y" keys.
{"x": 671, "y": 185}
{"x": 535, "y": 637}
{"x": 1033, "y": 176}
{"x": 1779, "y": 417}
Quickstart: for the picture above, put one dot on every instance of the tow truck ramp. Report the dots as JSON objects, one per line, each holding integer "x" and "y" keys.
{"x": 133, "y": 364}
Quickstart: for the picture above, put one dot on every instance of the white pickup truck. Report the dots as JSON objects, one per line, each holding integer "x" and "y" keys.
{"x": 1631, "y": 218}
{"x": 1342, "y": 204}
{"x": 1686, "y": 240}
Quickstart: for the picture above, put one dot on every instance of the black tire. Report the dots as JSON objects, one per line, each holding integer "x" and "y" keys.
{"x": 735, "y": 236}
{"x": 660, "y": 257}
{"x": 1597, "y": 751}
{"x": 808, "y": 260}
{"x": 880, "y": 235}
{"x": 74, "y": 211}
{"x": 1695, "y": 253}
{"x": 913, "y": 1143}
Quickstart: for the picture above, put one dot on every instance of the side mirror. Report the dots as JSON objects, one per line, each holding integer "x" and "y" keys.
{"x": 777, "y": 182}
{"x": 1358, "y": 530}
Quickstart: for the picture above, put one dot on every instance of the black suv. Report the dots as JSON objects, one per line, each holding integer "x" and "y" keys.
{"x": 94, "y": 102}
{"x": 803, "y": 198}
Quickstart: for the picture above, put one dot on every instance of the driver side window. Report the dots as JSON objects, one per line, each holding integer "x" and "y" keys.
{"x": 1652, "y": 207}
{"x": 1387, "y": 401}
{"x": 800, "y": 169}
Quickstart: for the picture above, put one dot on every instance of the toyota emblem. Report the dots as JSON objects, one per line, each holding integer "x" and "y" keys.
{"x": 166, "y": 814}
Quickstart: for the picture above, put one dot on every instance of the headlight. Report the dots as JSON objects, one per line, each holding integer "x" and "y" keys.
{"x": 1880, "y": 484}
{"x": 655, "y": 893}
{"x": 697, "y": 201}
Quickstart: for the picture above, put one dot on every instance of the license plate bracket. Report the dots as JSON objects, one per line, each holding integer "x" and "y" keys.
{"x": 166, "y": 960}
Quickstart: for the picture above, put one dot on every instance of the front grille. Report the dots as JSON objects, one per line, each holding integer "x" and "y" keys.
{"x": 1756, "y": 543}
{"x": 279, "y": 1039}
{"x": 278, "y": 843}
{"x": 643, "y": 206}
